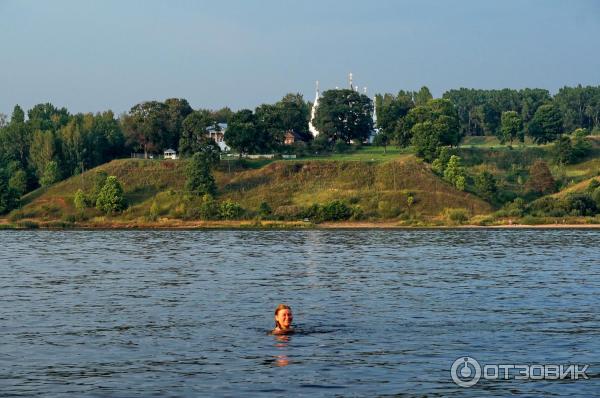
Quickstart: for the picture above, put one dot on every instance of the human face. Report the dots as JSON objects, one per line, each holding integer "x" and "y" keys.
{"x": 284, "y": 317}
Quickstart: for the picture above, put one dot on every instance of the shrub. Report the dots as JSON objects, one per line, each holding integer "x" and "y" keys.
{"x": 99, "y": 181}
{"x": 581, "y": 204}
{"x": 596, "y": 196}
{"x": 229, "y": 210}
{"x": 154, "y": 211}
{"x": 457, "y": 215}
{"x": 485, "y": 185}
{"x": 264, "y": 210}
{"x": 79, "y": 200}
{"x": 455, "y": 173}
{"x": 386, "y": 209}
{"x": 357, "y": 212}
{"x": 335, "y": 211}
{"x": 547, "y": 206}
{"x": 200, "y": 180}
{"x": 516, "y": 208}
{"x": 341, "y": 146}
{"x": 208, "y": 209}
{"x": 110, "y": 199}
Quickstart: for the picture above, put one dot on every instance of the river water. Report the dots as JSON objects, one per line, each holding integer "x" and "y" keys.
{"x": 379, "y": 312}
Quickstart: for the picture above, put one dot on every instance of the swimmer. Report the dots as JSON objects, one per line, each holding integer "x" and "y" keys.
{"x": 283, "y": 320}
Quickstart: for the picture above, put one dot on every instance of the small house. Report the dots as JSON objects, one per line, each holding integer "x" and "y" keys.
{"x": 170, "y": 154}
{"x": 290, "y": 137}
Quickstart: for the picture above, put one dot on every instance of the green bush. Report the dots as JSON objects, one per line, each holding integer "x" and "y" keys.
{"x": 264, "y": 210}
{"x": 387, "y": 209}
{"x": 230, "y": 210}
{"x": 110, "y": 199}
{"x": 457, "y": 215}
{"x": 80, "y": 201}
{"x": 208, "y": 209}
{"x": 335, "y": 211}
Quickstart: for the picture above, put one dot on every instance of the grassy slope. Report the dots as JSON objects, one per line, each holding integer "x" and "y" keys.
{"x": 381, "y": 188}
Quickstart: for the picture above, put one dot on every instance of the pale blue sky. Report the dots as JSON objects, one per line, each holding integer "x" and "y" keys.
{"x": 97, "y": 55}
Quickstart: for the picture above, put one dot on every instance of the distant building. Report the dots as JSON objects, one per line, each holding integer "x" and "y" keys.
{"x": 290, "y": 137}
{"x": 170, "y": 154}
{"x": 217, "y": 134}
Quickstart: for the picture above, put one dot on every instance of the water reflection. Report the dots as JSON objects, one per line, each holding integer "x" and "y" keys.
{"x": 281, "y": 344}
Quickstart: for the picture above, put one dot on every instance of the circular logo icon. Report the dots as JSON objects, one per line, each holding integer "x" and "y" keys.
{"x": 465, "y": 371}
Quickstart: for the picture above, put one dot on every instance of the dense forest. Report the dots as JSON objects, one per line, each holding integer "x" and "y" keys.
{"x": 47, "y": 144}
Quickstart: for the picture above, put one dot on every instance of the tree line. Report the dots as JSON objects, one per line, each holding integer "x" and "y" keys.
{"x": 46, "y": 144}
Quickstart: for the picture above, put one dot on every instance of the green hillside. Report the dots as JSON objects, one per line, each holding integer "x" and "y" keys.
{"x": 376, "y": 191}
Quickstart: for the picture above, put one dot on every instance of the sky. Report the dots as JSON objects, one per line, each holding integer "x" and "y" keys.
{"x": 90, "y": 56}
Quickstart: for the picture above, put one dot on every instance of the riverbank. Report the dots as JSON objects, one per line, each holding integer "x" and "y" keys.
{"x": 171, "y": 224}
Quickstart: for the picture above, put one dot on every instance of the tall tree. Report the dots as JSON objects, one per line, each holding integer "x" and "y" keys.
{"x": 546, "y": 125}
{"x": 194, "y": 132}
{"x": 200, "y": 180}
{"x": 511, "y": 127}
{"x": 422, "y": 96}
{"x": 43, "y": 150}
{"x": 177, "y": 110}
{"x": 146, "y": 126}
{"x": 294, "y": 114}
{"x": 243, "y": 134}
{"x": 47, "y": 117}
{"x": 344, "y": 115}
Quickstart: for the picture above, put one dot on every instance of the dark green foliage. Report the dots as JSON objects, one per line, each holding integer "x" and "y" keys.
{"x": 391, "y": 110}
{"x": 546, "y": 124}
{"x": 432, "y": 126}
{"x": 194, "y": 132}
{"x": 480, "y": 111}
{"x": 146, "y": 127}
{"x": 9, "y": 198}
{"x": 563, "y": 150}
{"x": 110, "y": 199}
{"x": 580, "y": 106}
{"x": 18, "y": 179}
{"x": 426, "y": 140}
{"x": 344, "y": 115}
{"x": 98, "y": 183}
{"x": 200, "y": 180}
{"x": 516, "y": 208}
{"x": 335, "y": 210}
{"x": 341, "y": 146}
{"x": 264, "y": 210}
{"x": 485, "y": 185}
{"x": 511, "y": 127}
{"x": 574, "y": 204}
{"x": 581, "y": 146}
{"x": 47, "y": 117}
{"x": 244, "y": 135}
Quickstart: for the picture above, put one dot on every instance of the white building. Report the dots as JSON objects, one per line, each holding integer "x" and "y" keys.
{"x": 170, "y": 154}
{"x": 217, "y": 134}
